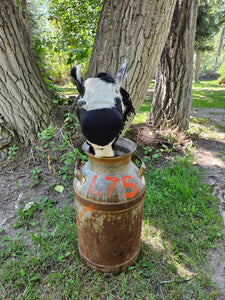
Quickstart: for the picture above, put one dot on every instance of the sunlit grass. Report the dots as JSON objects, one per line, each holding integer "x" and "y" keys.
{"x": 143, "y": 113}
{"x": 214, "y": 84}
{"x": 208, "y": 94}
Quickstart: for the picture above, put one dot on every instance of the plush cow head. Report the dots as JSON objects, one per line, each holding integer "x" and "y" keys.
{"x": 102, "y": 109}
{"x": 101, "y": 91}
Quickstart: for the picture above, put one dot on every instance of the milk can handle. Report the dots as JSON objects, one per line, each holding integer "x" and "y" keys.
{"x": 143, "y": 166}
{"x": 79, "y": 163}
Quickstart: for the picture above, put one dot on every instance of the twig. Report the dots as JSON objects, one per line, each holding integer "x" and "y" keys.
{"x": 219, "y": 186}
{"x": 32, "y": 155}
{"x": 19, "y": 174}
{"x": 178, "y": 281}
{"x": 49, "y": 165}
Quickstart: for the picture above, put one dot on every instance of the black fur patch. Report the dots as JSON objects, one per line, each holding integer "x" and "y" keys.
{"x": 80, "y": 112}
{"x": 118, "y": 105}
{"x": 129, "y": 109}
{"x": 106, "y": 77}
{"x": 79, "y": 84}
{"x": 91, "y": 149}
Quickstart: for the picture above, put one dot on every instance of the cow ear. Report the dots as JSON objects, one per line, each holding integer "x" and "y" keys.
{"x": 120, "y": 74}
{"x": 75, "y": 74}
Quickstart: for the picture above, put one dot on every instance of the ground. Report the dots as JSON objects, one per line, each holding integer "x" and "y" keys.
{"x": 207, "y": 144}
{"x": 29, "y": 177}
{"x": 210, "y": 155}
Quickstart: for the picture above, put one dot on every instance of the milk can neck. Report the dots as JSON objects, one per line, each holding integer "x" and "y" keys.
{"x": 110, "y": 165}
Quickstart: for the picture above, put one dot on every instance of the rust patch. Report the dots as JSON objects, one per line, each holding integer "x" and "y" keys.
{"x": 88, "y": 208}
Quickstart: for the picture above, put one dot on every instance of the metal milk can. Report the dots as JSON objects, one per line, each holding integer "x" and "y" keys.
{"x": 109, "y": 194}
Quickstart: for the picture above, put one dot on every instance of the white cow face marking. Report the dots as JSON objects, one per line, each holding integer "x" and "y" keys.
{"x": 99, "y": 94}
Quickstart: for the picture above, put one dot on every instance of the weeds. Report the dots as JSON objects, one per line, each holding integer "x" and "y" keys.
{"x": 47, "y": 133}
{"x": 12, "y": 248}
{"x": 27, "y": 215}
{"x": 168, "y": 143}
{"x": 64, "y": 152}
{"x": 36, "y": 178}
{"x": 12, "y": 152}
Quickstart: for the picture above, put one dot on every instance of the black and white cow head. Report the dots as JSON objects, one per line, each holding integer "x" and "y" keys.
{"x": 102, "y": 109}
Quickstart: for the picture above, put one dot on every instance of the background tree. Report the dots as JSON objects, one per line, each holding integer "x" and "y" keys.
{"x": 134, "y": 31}
{"x": 172, "y": 95}
{"x": 209, "y": 21}
{"x": 220, "y": 46}
{"x": 25, "y": 101}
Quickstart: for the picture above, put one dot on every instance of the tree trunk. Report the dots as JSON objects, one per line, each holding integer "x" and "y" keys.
{"x": 197, "y": 65}
{"x": 172, "y": 96}
{"x": 25, "y": 100}
{"x": 135, "y": 31}
{"x": 220, "y": 47}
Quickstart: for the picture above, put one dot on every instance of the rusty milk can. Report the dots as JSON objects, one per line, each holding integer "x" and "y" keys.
{"x": 109, "y": 194}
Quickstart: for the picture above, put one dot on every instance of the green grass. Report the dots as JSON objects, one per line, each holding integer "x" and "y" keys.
{"x": 68, "y": 90}
{"x": 143, "y": 112}
{"x": 204, "y": 94}
{"x": 181, "y": 223}
{"x": 208, "y": 94}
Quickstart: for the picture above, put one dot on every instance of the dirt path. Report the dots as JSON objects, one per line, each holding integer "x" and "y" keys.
{"x": 210, "y": 155}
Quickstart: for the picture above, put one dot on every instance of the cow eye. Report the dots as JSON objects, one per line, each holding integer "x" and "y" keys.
{"x": 117, "y": 100}
{"x": 81, "y": 102}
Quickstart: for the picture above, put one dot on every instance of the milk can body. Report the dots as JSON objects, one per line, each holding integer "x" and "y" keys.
{"x": 109, "y": 194}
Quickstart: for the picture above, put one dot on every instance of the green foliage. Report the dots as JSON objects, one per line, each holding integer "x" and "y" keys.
{"x": 153, "y": 155}
{"x": 37, "y": 16}
{"x": 12, "y": 152}
{"x": 63, "y": 32}
{"x": 57, "y": 67}
{"x": 74, "y": 25}
{"x": 64, "y": 152}
{"x": 29, "y": 215}
{"x": 208, "y": 58}
{"x": 47, "y": 134}
{"x": 208, "y": 23}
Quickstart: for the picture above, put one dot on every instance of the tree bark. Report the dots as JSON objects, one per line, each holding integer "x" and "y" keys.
{"x": 25, "y": 100}
{"x": 197, "y": 65}
{"x": 172, "y": 96}
{"x": 134, "y": 31}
